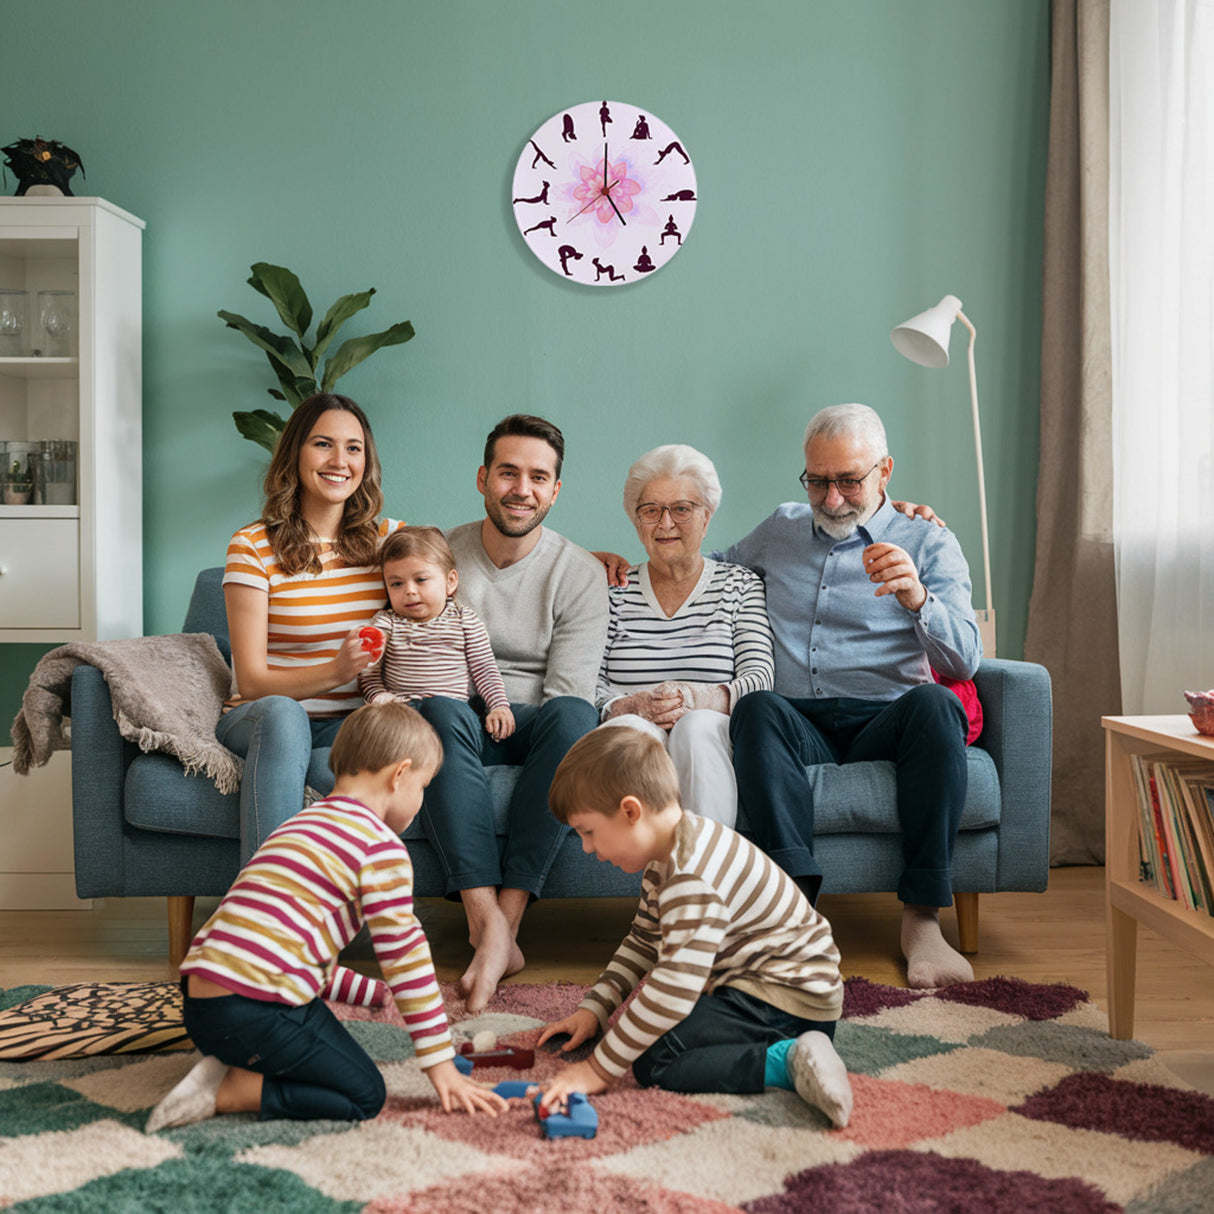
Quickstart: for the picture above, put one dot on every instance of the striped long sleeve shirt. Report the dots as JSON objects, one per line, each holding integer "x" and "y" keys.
{"x": 309, "y": 613}
{"x": 716, "y": 912}
{"x": 435, "y": 658}
{"x": 302, "y": 898}
{"x": 719, "y": 635}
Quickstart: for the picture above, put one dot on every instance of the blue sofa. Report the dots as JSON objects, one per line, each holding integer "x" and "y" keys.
{"x": 142, "y": 827}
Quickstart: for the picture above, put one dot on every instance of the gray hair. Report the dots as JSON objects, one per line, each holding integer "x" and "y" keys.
{"x": 853, "y": 421}
{"x": 673, "y": 459}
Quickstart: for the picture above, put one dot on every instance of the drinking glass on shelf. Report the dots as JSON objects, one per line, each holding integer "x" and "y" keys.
{"x": 14, "y": 315}
{"x": 57, "y": 318}
{"x": 58, "y": 472}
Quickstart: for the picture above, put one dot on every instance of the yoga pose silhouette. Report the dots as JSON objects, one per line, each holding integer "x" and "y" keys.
{"x": 600, "y": 270}
{"x": 542, "y": 197}
{"x": 549, "y": 224}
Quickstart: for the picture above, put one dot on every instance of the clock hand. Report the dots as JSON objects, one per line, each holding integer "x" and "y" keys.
{"x": 614, "y": 207}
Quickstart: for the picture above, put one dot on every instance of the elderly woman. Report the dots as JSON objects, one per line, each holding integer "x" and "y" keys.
{"x": 687, "y": 636}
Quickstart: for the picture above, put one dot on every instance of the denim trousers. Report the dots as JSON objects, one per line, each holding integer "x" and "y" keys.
{"x": 276, "y": 738}
{"x": 457, "y": 813}
{"x": 923, "y": 732}
{"x": 721, "y": 1045}
{"x": 311, "y": 1065}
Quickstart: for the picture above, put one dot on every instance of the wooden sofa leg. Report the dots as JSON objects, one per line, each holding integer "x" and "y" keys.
{"x": 967, "y": 921}
{"x": 181, "y": 919}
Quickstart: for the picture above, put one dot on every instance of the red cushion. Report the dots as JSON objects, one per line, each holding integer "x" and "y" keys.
{"x": 968, "y": 695}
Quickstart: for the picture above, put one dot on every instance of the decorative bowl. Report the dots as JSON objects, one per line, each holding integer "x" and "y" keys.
{"x": 1201, "y": 710}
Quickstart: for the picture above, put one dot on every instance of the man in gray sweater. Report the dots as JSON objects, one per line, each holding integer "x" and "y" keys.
{"x": 544, "y": 602}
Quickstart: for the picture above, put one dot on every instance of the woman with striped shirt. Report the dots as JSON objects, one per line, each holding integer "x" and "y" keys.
{"x": 298, "y": 585}
{"x": 687, "y": 636}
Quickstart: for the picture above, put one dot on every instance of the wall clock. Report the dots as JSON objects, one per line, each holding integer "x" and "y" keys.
{"x": 604, "y": 193}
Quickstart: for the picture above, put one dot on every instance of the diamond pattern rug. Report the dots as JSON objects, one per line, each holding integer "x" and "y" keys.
{"x": 992, "y": 1096}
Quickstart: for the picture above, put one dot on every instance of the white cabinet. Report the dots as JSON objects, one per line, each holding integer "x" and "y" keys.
{"x": 71, "y": 559}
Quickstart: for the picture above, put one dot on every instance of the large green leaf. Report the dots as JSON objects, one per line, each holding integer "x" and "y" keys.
{"x": 337, "y": 316}
{"x": 280, "y": 348}
{"x": 351, "y": 353}
{"x": 285, "y": 292}
{"x": 261, "y": 426}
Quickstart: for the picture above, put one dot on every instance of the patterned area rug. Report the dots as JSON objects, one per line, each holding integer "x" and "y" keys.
{"x": 993, "y": 1096}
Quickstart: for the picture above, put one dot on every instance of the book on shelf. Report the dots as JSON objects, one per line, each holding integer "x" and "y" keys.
{"x": 1175, "y": 797}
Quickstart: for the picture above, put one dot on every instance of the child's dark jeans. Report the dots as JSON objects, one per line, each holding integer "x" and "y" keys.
{"x": 721, "y": 1045}
{"x": 313, "y": 1068}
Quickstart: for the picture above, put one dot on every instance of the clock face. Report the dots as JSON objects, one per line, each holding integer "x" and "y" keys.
{"x": 604, "y": 193}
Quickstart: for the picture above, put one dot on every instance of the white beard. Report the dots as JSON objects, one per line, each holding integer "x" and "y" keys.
{"x": 837, "y": 528}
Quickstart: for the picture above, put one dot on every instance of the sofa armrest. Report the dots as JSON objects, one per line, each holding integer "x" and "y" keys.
{"x": 1017, "y": 732}
{"x": 100, "y": 757}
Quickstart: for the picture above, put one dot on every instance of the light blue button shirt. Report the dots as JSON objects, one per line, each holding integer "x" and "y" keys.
{"x": 833, "y": 635}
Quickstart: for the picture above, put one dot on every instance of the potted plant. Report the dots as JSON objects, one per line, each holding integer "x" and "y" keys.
{"x": 18, "y": 484}
{"x": 294, "y": 360}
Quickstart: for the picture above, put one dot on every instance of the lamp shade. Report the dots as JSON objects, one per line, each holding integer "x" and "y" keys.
{"x": 924, "y": 338}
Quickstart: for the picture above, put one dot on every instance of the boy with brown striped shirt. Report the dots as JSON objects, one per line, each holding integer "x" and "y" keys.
{"x": 743, "y": 987}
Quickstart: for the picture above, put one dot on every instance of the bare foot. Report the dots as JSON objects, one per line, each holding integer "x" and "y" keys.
{"x": 497, "y": 956}
{"x": 930, "y": 960}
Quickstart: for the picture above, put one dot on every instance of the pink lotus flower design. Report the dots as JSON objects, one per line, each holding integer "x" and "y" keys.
{"x": 622, "y": 189}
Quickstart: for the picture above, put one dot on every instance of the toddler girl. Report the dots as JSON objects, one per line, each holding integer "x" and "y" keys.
{"x": 432, "y": 644}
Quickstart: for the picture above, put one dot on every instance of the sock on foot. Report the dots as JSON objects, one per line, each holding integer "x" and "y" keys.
{"x": 776, "y": 1073}
{"x": 930, "y": 960}
{"x": 193, "y": 1099}
{"x": 819, "y": 1076}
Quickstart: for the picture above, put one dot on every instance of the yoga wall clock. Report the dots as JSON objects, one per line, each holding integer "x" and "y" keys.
{"x": 604, "y": 193}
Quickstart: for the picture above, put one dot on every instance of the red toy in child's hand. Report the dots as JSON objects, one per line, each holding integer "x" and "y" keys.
{"x": 372, "y": 638}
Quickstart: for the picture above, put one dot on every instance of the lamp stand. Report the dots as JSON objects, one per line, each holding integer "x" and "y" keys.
{"x": 986, "y": 619}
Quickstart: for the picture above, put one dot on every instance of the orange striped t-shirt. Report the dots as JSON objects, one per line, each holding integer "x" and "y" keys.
{"x": 310, "y": 613}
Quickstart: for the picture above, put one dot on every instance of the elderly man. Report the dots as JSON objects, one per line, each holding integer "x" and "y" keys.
{"x": 864, "y": 603}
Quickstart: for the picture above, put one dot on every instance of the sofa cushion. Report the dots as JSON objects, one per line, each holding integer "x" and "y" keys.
{"x": 857, "y": 798}
{"x": 861, "y": 798}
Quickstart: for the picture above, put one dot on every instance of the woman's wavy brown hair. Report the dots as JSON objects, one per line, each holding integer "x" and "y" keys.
{"x": 292, "y": 540}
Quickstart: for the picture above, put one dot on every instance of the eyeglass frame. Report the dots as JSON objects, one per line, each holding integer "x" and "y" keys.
{"x": 824, "y": 482}
{"x": 668, "y": 508}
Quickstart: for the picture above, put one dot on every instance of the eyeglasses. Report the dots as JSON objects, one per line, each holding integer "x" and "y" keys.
{"x": 847, "y": 485}
{"x": 681, "y": 513}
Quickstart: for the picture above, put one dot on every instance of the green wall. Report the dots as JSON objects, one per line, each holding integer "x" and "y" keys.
{"x": 855, "y": 163}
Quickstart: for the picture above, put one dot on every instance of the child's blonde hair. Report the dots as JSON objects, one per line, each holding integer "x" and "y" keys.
{"x": 608, "y": 765}
{"x": 427, "y": 542}
{"x": 376, "y": 736}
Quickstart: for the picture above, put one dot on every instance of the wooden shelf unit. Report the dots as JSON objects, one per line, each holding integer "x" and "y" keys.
{"x": 1129, "y": 901}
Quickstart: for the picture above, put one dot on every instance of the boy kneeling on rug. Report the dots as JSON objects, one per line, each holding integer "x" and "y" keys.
{"x": 743, "y": 989}
{"x": 255, "y": 974}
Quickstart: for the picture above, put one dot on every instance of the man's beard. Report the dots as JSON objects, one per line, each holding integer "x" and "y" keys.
{"x": 512, "y": 527}
{"x": 837, "y": 528}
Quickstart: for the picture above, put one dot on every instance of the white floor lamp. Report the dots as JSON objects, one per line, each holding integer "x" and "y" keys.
{"x": 924, "y": 340}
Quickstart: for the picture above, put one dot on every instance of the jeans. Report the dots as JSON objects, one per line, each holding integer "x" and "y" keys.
{"x": 276, "y": 739}
{"x": 721, "y": 1045}
{"x": 457, "y": 813}
{"x": 923, "y": 732}
{"x": 312, "y": 1067}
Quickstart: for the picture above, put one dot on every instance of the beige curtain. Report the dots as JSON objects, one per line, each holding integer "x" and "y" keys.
{"x": 1072, "y": 626}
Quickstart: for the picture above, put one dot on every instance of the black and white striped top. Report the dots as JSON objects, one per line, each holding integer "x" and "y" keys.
{"x": 719, "y": 635}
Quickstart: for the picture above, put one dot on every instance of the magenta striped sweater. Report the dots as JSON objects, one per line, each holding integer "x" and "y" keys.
{"x": 302, "y": 898}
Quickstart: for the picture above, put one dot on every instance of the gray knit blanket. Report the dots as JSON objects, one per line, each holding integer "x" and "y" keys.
{"x": 168, "y": 693}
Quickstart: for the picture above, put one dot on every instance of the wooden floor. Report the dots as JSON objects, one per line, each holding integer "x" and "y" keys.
{"x": 1057, "y": 936}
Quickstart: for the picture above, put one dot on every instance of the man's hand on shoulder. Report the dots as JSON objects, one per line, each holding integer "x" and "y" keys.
{"x": 918, "y": 510}
{"x": 895, "y": 573}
